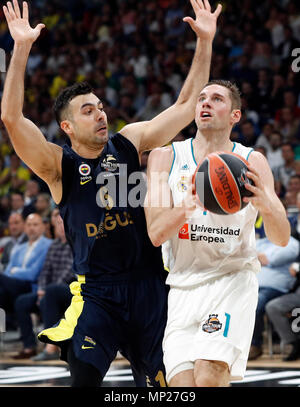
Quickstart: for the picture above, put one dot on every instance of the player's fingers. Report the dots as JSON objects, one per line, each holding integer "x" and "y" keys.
{"x": 207, "y": 5}
{"x": 6, "y": 13}
{"x": 218, "y": 10}
{"x": 25, "y": 10}
{"x": 39, "y": 27}
{"x": 11, "y": 10}
{"x": 252, "y": 169}
{"x": 254, "y": 177}
{"x": 17, "y": 8}
{"x": 195, "y": 6}
{"x": 190, "y": 21}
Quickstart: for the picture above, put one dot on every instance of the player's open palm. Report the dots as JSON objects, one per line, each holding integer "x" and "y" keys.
{"x": 205, "y": 23}
{"x": 18, "y": 23}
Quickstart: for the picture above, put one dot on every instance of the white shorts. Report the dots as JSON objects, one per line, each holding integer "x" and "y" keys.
{"x": 213, "y": 321}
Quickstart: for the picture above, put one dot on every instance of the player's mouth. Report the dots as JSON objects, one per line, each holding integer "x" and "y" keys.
{"x": 102, "y": 128}
{"x": 205, "y": 115}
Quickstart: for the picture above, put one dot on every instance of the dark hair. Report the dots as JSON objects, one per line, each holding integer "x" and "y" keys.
{"x": 235, "y": 94}
{"x": 66, "y": 95}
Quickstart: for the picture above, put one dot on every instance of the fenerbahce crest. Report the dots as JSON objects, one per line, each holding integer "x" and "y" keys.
{"x": 212, "y": 324}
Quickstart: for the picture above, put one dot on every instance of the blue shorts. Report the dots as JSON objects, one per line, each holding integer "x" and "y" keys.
{"x": 105, "y": 318}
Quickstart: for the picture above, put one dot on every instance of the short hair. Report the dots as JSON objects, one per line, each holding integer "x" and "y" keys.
{"x": 66, "y": 95}
{"x": 235, "y": 94}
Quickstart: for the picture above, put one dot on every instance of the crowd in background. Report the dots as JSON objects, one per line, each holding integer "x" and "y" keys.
{"x": 136, "y": 55}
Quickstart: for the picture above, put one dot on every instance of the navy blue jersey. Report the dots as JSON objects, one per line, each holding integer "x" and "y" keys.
{"x": 109, "y": 241}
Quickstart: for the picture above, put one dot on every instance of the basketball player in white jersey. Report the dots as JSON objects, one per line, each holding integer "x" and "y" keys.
{"x": 211, "y": 258}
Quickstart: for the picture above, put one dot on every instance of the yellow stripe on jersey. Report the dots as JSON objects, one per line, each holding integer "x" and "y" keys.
{"x": 65, "y": 328}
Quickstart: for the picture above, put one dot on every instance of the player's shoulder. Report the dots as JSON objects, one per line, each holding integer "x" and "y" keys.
{"x": 161, "y": 158}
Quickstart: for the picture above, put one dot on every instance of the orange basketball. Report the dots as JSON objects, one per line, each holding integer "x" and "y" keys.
{"x": 221, "y": 187}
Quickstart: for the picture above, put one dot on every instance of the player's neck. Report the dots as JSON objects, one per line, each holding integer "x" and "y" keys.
{"x": 87, "y": 151}
{"x": 206, "y": 143}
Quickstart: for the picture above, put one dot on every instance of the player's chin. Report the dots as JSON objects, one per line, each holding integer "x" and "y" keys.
{"x": 101, "y": 137}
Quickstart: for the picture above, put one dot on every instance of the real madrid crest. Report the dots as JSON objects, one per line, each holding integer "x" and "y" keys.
{"x": 182, "y": 184}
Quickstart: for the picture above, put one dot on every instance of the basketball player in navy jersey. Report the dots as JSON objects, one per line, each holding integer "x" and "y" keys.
{"x": 119, "y": 300}
{"x": 212, "y": 258}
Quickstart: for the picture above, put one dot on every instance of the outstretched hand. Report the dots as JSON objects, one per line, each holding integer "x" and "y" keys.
{"x": 205, "y": 23}
{"x": 18, "y": 24}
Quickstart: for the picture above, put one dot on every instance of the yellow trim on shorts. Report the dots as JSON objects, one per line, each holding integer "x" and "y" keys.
{"x": 65, "y": 328}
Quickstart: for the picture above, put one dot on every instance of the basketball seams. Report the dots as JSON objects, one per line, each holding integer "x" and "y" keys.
{"x": 232, "y": 176}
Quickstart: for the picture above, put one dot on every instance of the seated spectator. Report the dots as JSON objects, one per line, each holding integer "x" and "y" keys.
{"x": 32, "y": 189}
{"x": 278, "y": 312}
{"x": 25, "y": 265}
{"x": 274, "y": 280}
{"x": 19, "y": 174}
{"x": 31, "y": 192}
{"x": 43, "y": 205}
{"x": 247, "y": 136}
{"x": 283, "y": 172}
{"x": 295, "y": 219}
{"x": 17, "y": 236}
{"x": 264, "y": 138}
{"x": 288, "y": 125}
{"x": 290, "y": 198}
{"x": 289, "y": 100}
{"x": 4, "y": 178}
{"x": 274, "y": 155}
{"x": 54, "y": 278}
{"x": 17, "y": 202}
{"x": 259, "y": 227}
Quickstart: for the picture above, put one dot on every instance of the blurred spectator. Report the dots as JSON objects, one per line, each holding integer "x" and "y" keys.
{"x": 247, "y": 136}
{"x": 290, "y": 101}
{"x": 16, "y": 237}
{"x": 274, "y": 155}
{"x": 56, "y": 271}
{"x": 17, "y": 202}
{"x": 264, "y": 138}
{"x": 24, "y": 267}
{"x": 43, "y": 205}
{"x": 279, "y": 312}
{"x": 274, "y": 280}
{"x": 4, "y": 178}
{"x": 283, "y": 173}
{"x": 295, "y": 220}
{"x": 14, "y": 176}
{"x": 19, "y": 174}
{"x": 290, "y": 198}
{"x": 288, "y": 125}
{"x": 31, "y": 192}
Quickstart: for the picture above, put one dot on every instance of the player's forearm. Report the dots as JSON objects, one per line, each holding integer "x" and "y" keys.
{"x": 276, "y": 225}
{"x": 13, "y": 94}
{"x": 198, "y": 75}
{"x": 165, "y": 223}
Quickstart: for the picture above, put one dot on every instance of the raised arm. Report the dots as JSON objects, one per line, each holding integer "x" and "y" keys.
{"x": 42, "y": 157}
{"x": 164, "y": 127}
{"x": 163, "y": 218}
{"x": 265, "y": 200}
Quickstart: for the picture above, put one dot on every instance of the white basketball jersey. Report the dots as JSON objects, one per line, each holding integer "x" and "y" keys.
{"x": 208, "y": 245}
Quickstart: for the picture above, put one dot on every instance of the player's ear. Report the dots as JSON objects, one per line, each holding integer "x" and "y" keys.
{"x": 66, "y": 126}
{"x": 236, "y": 115}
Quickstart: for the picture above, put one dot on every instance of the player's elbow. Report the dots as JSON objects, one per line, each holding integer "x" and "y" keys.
{"x": 155, "y": 237}
{"x": 8, "y": 119}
